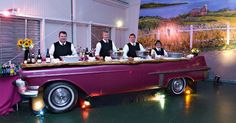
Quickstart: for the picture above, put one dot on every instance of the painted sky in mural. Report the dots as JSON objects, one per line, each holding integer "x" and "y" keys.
{"x": 173, "y": 11}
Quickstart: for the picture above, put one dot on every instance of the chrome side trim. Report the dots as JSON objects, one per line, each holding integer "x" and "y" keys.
{"x": 180, "y": 71}
{"x": 74, "y": 73}
{"x": 30, "y": 93}
{"x": 33, "y": 87}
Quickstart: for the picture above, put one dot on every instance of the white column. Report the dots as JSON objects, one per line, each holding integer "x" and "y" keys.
{"x": 89, "y": 34}
{"x": 26, "y": 26}
{"x": 113, "y": 34}
{"x": 132, "y": 17}
{"x": 75, "y": 42}
{"x": 42, "y": 37}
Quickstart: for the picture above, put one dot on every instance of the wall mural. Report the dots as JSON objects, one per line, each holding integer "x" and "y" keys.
{"x": 185, "y": 24}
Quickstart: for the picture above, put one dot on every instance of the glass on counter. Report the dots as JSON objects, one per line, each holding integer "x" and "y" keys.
{"x": 117, "y": 54}
{"x": 143, "y": 54}
{"x": 85, "y": 54}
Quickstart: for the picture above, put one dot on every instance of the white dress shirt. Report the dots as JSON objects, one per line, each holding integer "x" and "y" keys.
{"x": 52, "y": 49}
{"x": 99, "y": 46}
{"x": 126, "y": 49}
{"x": 153, "y": 52}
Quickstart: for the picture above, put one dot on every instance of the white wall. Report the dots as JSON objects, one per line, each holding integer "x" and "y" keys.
{"x": 133, "y": 17}
{"x": 59, "y": 9}
{"x": 121, "y": 37}
{"x": 82, "y": 35}
{"x": 52, "y": 30}
{"x": 43, "y": 9}
{"x": 222, "y": 63}
{"x": 97, "y": 12}
{"x": 56, "y": 15}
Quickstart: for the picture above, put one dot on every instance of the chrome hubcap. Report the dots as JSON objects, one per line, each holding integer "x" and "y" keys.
{"x": 178, "y": 85}
{"x": 61, "y": 97}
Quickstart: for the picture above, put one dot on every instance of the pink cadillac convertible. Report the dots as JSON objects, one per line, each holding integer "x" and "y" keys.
{"x": 63, "y": 83}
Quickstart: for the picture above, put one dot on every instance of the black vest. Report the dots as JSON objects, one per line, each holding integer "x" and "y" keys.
{"x": 133, "y": 49}
{"x": 105, "y": 48}
{"x": 62, "y": 50}
{"x": 161, "y": 52}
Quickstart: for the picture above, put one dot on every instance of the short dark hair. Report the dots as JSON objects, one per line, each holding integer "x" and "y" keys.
{"x": 132, "y": 34}
{"x": 105, "y": 31}
{"x": 62, "y": 32}
{"x": 158, "y": 41}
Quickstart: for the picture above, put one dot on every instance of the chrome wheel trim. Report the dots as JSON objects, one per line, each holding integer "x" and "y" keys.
{"x": 61, "y": 97}
{"x": 178, "y": 85}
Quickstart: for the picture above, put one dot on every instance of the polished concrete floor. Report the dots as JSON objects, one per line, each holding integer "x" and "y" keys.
{"x": 211, "y": 104}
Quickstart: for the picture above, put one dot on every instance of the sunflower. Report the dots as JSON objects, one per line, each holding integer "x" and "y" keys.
{"x": 26, "y": 39}
{"x": 30, "y": 41}
{"x": 195, "y": 50}
{"x": 20, "y": 42}
{"x": 26, "y": 44}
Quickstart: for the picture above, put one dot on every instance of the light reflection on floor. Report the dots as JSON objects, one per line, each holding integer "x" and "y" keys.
{"x": 209, "y": 104}
{"x": 160, "y": 98}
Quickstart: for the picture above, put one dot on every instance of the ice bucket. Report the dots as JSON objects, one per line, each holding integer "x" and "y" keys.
{"x": 175, "y": 54}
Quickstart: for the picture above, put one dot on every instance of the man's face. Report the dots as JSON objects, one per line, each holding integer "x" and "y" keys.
{"x": 132, "y": 39}
{"x": 63, "y": 38}
{"x": 158, "y": 45}
{"x": 105, "y": 36}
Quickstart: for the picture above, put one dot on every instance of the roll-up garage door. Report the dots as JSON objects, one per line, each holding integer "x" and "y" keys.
{"x": 11, "y": 30}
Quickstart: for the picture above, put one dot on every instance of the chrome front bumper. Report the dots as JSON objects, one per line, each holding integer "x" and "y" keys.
{"x": 26, "y": 91}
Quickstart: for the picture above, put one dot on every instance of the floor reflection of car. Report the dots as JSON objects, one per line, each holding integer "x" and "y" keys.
{"x": 62, "y": 85}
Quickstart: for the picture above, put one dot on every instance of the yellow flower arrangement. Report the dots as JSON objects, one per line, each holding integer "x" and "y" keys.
{"x": 195, "y": 51}
{"x": 25, "y": 44}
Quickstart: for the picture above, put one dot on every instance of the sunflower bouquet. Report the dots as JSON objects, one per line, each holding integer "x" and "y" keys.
{"x": 25, "y": 44}
{"x": 195, "y": 51}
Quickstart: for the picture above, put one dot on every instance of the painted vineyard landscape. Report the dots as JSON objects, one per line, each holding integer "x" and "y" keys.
{"x": 182, "y": 25}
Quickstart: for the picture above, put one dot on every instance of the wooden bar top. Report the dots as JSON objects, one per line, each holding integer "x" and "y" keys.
{"x": 90, "y": 63}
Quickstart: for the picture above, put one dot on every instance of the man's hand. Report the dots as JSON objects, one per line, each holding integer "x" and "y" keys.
{"x": 130, "y": 59}
{"x": 99, "y": 58}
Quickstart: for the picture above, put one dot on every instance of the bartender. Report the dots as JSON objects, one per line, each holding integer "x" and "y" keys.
{"x": 62, "y": 47}
{"x": 104, "y": 46}
{"x": 131, "y": 47}
{"x": 158, "y": 50}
